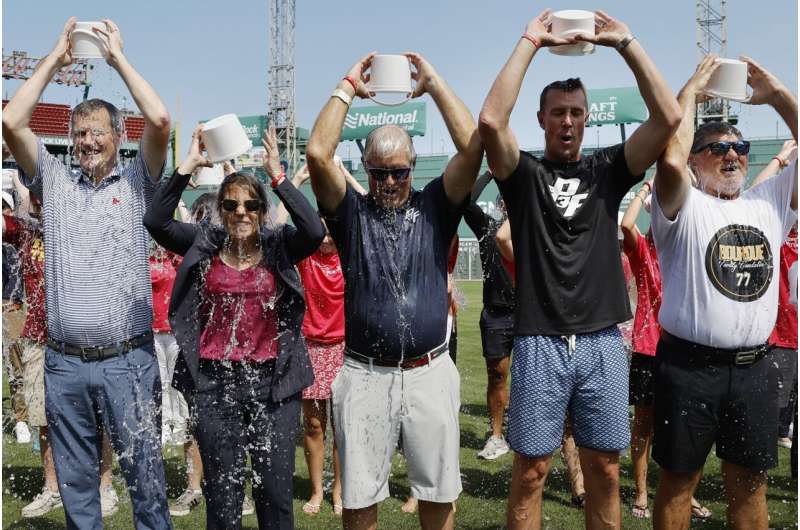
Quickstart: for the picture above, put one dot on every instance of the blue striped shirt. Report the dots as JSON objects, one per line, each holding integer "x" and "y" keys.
{"x": 97, "y": 277}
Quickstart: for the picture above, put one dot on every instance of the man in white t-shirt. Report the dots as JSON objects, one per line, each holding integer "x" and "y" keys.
{"x": 719, "y": 249}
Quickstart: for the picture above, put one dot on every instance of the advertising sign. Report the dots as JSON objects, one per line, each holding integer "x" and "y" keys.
{"x": 611, "y": 106}
{"x": 361, "y": 120}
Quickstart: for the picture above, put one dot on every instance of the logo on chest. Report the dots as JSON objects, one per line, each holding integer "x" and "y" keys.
{"x": 566, "y": 197}
{"x": 739, "y": 262}
{"x": 411, "y": 215}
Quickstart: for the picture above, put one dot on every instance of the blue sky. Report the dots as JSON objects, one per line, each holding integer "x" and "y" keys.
{"x": 214, "y": 56}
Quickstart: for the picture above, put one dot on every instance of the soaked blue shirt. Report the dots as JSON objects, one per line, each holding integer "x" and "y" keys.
{"x": 97, "y": 277}
{"x": 395, "y": 270}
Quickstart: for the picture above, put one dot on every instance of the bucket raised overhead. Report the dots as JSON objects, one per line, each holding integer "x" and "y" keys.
{"x": 729, "y": 80}
{"x": 85, "y": 42}
{"x": 571, "y": 22}
{"x": 390, "y": 74}
{"x": 225, "y": 138}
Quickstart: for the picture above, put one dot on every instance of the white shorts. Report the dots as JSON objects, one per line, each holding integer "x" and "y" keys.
{"x": 373, "y": 406}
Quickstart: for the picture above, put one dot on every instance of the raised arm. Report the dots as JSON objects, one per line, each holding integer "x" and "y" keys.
{"x": 327, "y": 181}
{"x": 673, "y": 179}
{"x": 648, "y": 141}
{"x": 462, "y": 169}
{"x": 299, "y": 178}
{"x": 476, "y": 219}
{"x": 351, "y": 180}
{"x": 174, "y": 235}
{"x": 156, "y": 117}
{"x": 502, "y": 149}
{"x": 768, "y": 89}
{"x": 17, "y": 115}
{"x": 630, "y": 232}
{"x": 784, "y": 157}
{"x": 503, "y": 240}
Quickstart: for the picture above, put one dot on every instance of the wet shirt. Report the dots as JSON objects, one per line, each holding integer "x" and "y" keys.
{"x": 785, "y": 333}
{"x": 240, "y": 315}
{"x": 26, "y": 236}
{"x": 162, "y": 277}
{"x": 644, "y": 264}
{"x": 97, "y": 279}
{"x": 323, "y": 284}
{"x": 395, "y": 270}
{"x": 498, "y": 283}
{"x": 720, "y": 263}
{"x": 12, "y": 276}
{"x": 563, "y": 218}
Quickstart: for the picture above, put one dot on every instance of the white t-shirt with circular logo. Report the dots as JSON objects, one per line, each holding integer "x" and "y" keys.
{"x": 720, "y": 261}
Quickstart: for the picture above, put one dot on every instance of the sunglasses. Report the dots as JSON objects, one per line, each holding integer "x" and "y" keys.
{"x": 251, "y": 205}
{"x": 380, "y": 174}
{"x": 741, "y": 147}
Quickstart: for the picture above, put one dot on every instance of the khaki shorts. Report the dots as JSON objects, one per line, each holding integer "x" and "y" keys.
{"x": 33, "y": 381}
{"x": 373, "y": 407}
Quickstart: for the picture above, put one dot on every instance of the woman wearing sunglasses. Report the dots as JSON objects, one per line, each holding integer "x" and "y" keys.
{"x": 237, "y": 310}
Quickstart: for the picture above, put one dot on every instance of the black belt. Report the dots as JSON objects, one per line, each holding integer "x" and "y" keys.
{"x": 736, "y": 356}
{"x": 98, "y": 353}
{"x": 405, "y": 364}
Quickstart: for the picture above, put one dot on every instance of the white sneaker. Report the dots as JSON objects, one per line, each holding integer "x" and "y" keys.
{"x": 496, "y": 446}
{"x": 247, "y": 506}
{"x": 22, "y": 432}
{"x": 184, "y": 504}
{"x": 43, "y": 503}
{"x": 109, "y": 501}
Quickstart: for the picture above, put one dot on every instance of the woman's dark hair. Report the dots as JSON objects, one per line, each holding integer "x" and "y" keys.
{"x": 246, "y": 180}
{"x": 204, "y": 208}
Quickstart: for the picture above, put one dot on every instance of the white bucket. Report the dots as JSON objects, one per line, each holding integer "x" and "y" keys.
{"x": 390, "y": 74}
{"x": 225, "y": 138}
{"x": 210, "y": 176}
{"x": 571, "y": 22}
{"x": 729, "y": 80}
{"x": 85, "y": 42}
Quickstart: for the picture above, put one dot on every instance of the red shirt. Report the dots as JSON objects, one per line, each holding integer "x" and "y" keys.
{"x": 240, "y": 315}
{"x": 27, "y": 238}
{"x": 785, "y": 333}
{"x": 510, "y": 268}
{"x": 162, "y": 276}
{"x": 644, "y": 265}
{"x": 323, "y": 283}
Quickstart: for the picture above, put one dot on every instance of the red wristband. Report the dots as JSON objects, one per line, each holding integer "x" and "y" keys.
{"x": 533, "y": 40}
{"x": 277, "y": 180}
{"x": 352, "y": 83}
{"x": 781, "y": 161}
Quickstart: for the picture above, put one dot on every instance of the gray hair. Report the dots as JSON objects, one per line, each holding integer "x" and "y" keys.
{"x": 90, "y": 106}
{"x": 386, "y": 140}
{"x": 713, "y": 128}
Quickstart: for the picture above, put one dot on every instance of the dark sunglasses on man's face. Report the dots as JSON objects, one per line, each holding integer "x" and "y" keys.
{"x": 742, "y": 147}
{"x": 251, "y": 205}
{"x": 380, "y": 174}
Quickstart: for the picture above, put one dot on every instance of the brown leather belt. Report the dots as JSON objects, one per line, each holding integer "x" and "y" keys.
{"x": 405, "y": 364}
{"x": 736, "y": 356}
{"x": 98, "y": 353}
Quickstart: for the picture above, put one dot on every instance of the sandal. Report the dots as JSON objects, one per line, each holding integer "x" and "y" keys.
{"x": 699, "y": 511}
{"x": 311, "y": 509}
{"x": 337, "y": 509}
{"x": 640, "y": 512}
{"x": 579, "y": 501}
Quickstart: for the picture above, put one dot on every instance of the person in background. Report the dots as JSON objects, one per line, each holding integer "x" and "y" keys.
{"x": 641, "y": 253}
{"x": 236, "y": 310}
{"x": 497, "y": 316}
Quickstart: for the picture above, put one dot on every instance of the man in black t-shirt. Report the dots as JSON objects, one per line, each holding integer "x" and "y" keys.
{"x": 497, "y": 317}
{"x": 393, "y": 245}
{"x": 570, "y": 294}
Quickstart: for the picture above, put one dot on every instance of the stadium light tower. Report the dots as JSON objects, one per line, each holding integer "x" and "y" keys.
{"x": 19, "y": 65}
{"x": 281, "y": 78}
{"x": 712, "y": 37}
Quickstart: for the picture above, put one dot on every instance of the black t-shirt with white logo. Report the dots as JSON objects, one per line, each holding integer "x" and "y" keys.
{"x": 563, "y": 217}
{"x": 395, "y": 271}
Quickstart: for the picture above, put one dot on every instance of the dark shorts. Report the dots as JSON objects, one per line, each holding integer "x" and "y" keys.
{"x": 497, "y": 332}
{"x": 698, "y": 404}
{"x": 640, "y": 381}
{"x": 785, "y": 361}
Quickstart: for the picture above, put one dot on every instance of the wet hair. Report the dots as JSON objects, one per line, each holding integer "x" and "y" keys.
{"x": 204, "y": 208}
{"x": 90, "y": 106}
{"x": 713, "y": 128}
{"x": 249, "y": 181}
{"x": 386, "y": 140}
{"x": 567, "y": 85}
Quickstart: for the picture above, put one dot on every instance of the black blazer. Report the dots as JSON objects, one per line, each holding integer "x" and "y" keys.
{"x": 281, "y": 247}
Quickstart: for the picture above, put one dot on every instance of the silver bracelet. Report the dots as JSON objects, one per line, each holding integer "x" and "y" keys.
{"x": 627, "y": 39}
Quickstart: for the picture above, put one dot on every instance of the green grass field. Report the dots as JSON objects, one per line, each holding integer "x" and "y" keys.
{"x": 481, "y": 506}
